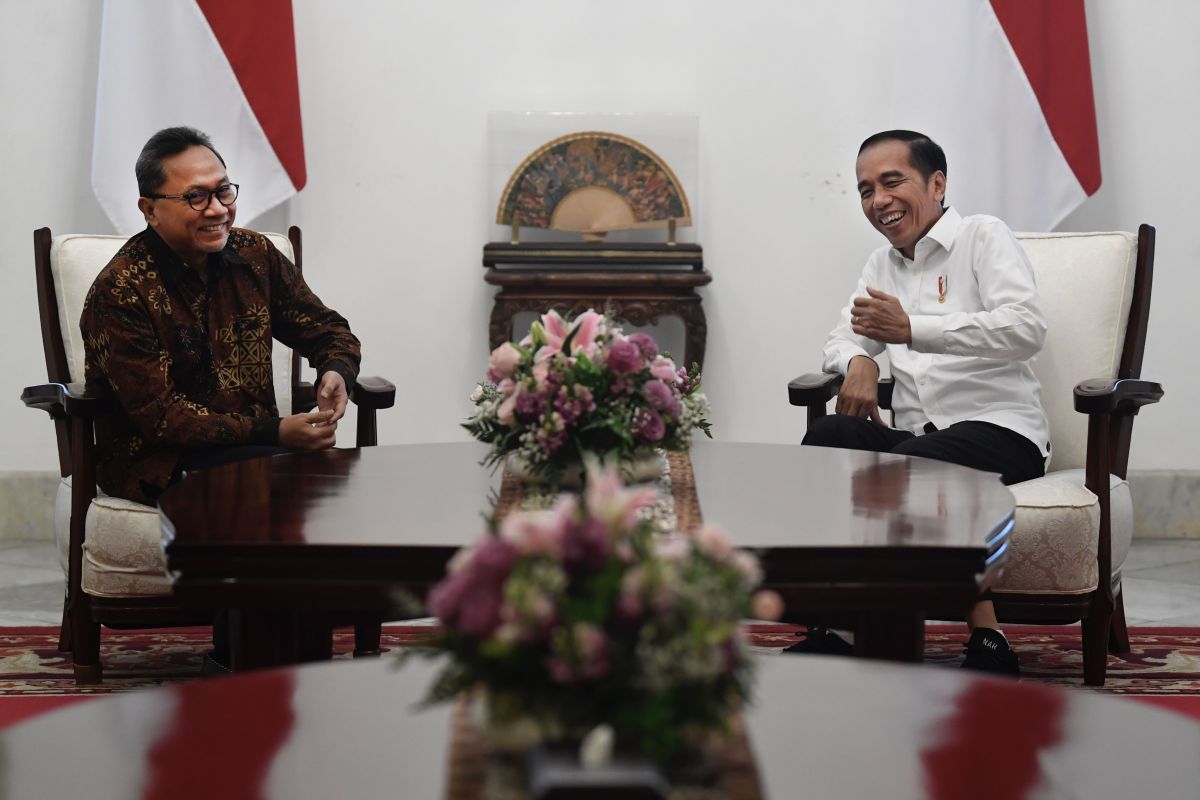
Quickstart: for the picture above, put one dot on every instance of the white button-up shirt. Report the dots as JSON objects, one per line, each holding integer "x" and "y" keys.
{"x": 972, "y": 303}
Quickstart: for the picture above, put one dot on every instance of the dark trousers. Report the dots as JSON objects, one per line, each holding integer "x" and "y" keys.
{"x": 980, "y": 445}
{"x": 203, "y": 458}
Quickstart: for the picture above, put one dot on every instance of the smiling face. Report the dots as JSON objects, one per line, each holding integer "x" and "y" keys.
{"x": 897, "y": 199}
{"x": 191, "y": 234}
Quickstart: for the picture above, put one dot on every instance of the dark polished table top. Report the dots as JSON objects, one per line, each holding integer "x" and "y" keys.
{"x": 840, "y": 533}
{"x": 432, "y": 495}
{"x": 820, "y": 727}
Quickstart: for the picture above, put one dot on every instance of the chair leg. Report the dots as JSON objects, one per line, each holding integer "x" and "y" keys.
{"x": 1118, "y": 634}
{"x": 1095, "y": 640}
{"x": 64, "y": 630}
{"x": 85, "y": 643}
{"x": 367, "y": 634}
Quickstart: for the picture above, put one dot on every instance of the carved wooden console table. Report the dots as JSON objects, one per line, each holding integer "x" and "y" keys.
{"x": 637, "y": 283}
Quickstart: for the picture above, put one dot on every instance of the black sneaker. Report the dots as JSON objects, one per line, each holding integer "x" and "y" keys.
{"x": 988, "y": 651}
{"x": 822, "y": 641}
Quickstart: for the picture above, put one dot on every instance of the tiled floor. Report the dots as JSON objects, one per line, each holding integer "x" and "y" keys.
{"x": 1162, "y": 583}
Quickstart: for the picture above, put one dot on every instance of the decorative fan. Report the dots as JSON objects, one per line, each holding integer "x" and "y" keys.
{"x": 593, "y": 182}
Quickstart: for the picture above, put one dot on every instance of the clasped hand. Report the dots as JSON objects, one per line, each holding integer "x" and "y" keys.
{"x": 317, "y": 430}
{"x": 880, "y": 317}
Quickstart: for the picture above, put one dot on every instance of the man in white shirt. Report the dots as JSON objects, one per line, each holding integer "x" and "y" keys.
{"x": 954, "y": 303}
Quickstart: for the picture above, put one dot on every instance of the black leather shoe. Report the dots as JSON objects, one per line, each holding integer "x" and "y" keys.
{"x": 988, "y": 651}
{"x": 211, "y": 666}
{"x": 822, "y": 641}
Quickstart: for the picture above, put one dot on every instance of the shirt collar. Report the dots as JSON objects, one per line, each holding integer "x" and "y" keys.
{"x": 943, "y": 232}
{"x": 171, "y": 267}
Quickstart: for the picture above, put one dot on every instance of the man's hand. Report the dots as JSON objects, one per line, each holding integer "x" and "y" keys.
{"x": 312, "y": 431}
{"x": 332, "y": 396}
{"x": 859, "y": 395}
{"x": 880, "y": 317}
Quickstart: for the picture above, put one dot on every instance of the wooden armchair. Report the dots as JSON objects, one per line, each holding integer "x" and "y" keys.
{"x": 111, "y": 548}
{"x": 1073, "y": 526}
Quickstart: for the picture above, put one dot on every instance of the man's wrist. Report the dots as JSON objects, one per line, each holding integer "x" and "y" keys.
{"x": 868, "y": 359}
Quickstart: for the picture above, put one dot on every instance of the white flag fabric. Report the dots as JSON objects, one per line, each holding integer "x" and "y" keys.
{"x": 224, "y": 66}
{"x": 1005, "y": 87}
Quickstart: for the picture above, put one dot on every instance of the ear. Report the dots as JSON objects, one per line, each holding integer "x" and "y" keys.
{"x": 939, "y": 186}
{"x": 146, "y": 206}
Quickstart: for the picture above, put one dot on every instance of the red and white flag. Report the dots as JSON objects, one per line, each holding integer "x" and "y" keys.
{"x": 226, "y": 67}
{"x": 1005, "y": 87}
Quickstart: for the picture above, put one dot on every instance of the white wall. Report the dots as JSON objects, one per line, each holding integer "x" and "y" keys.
{"x": 395, "y": 97}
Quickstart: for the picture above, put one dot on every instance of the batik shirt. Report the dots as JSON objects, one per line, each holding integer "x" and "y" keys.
{"x": 189, "y": 362}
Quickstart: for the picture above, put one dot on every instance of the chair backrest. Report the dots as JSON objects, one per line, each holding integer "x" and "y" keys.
{"x": 67, "y": 265}
{"x": 1086, "y": 282}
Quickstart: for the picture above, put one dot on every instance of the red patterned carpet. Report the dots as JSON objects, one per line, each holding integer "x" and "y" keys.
{"x": 1163, "y": 666}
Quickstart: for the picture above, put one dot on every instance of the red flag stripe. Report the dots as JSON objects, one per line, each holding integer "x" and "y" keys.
{"x": 259, "y": 40}
{"x": 1050, "y": 40}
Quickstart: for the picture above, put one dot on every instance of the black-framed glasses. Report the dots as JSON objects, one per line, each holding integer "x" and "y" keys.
{"x": 199, "y": 199}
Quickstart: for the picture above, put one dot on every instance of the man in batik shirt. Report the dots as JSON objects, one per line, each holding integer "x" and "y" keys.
{"x": 178, "y": 327}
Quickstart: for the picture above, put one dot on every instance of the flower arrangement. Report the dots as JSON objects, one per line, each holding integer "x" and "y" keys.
{"x": 579, "y": 615}
{"x": 582, "y": 386}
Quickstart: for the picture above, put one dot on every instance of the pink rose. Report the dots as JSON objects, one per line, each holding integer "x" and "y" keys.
{"x": 660, "y": 396}
{"x": 623, "y": 357}
{"x": 663, "y": 368}
{"x": 505, "y": 412}
{"x": 503, "y": 362}
{"x": 471, "y": 598}
{"x": 645, "y": 344}
{"x": 648, "y": 425}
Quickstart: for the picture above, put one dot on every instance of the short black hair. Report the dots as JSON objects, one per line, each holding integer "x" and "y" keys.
{"x": 924, "y": 154}
{"x": 164, "y": 144}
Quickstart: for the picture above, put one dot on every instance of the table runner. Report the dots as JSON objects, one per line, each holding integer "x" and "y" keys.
{"x": 472, "y": 774}
{"x": 678, "y": 510}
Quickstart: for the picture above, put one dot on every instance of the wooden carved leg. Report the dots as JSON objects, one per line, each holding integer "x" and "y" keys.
{"x": 1095, "y": 639}
{"x": 695, "y": 328}
{"x": 500, "y": 325}
{"x": 1118, "y": 634}
{"x": 85, "y": 643}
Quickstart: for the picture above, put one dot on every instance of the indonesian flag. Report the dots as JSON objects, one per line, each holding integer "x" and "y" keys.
{"x": 1005, "y": 87}
{"x": 226, "y": 67}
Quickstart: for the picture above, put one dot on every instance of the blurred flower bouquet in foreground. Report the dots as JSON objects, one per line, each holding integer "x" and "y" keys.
{"x": 579, "y": 616}
{"x": 582, "y": 386}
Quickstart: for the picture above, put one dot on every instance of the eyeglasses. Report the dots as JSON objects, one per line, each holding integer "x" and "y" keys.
{"x": 199, "y": 199}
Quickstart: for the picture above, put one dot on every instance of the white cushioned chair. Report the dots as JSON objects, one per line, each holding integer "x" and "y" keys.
{"x": 110, "y": 548}
{"x": 1073, "y": 526}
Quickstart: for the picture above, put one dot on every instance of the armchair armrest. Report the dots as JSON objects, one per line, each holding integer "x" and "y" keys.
{"x": 65, "y": 399}
{"x": 373, "y": 392}
{"x": 814, "y": 388}
{"x": 1118, "y": 396}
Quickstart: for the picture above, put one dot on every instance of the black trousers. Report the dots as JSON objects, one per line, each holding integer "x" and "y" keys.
{"x": 980, "y": 445}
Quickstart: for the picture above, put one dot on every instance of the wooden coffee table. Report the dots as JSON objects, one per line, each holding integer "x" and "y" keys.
{"x": 295, "y": 544}
{"x": 819, "y": 727}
